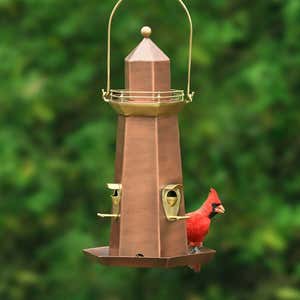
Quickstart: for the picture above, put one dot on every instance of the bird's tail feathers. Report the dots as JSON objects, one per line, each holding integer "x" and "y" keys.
{"x": 196, "y": 268}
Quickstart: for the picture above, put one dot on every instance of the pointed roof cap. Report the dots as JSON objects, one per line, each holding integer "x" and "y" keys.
{"x": 147, "y": 50}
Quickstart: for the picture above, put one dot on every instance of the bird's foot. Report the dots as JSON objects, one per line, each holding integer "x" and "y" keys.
{"x": 194, "y": 250}
{"x": 200, "y": 246}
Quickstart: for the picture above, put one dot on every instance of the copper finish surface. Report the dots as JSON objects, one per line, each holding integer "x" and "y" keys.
{"x": 170, "y": 171}
{"x": 150, "y": 154}
{"x": 148, "y": 159}
{"x": 139, "y": 206}
{"x": 101, "y": 255}
{"x": 147, "y": 68}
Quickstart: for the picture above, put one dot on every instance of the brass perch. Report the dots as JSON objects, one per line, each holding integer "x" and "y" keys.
{"x": 108, "y": 215}
{"x": 176, "y": 218}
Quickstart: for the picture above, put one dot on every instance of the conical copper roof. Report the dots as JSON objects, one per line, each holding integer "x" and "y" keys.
{"x": 147, "y": 50}
{"x": 147, "y": 68}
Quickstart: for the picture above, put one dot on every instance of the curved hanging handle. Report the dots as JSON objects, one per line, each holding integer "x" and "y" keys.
{"x": 105, "y": 94}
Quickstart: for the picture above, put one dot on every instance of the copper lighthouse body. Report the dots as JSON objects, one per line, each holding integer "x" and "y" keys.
{"x": 148, "y": 221}
{"x": 147, "y": 160}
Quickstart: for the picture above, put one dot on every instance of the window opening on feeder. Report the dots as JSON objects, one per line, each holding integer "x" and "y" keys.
{"x": 115, "y": 193}
{"x": 171, "y": 194}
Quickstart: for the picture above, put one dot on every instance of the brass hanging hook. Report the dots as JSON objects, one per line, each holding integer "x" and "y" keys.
{"x": 106, "y": 94}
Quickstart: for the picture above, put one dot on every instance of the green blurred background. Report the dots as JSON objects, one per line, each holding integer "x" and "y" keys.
{"x": 240, "y": 135}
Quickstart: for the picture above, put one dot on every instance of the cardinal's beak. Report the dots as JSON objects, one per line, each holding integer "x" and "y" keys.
{"x": 220, "y": 209}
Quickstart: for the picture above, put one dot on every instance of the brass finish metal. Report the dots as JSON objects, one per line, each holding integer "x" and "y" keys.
{"x": 189, "y": 94}
{"x": 108, "y": 215}
{"x": 177, "y": 218}
{"x": 171, "y": 197}
{"x": 173, "y": 186}
{"x": 116, "y": 198}
{"x": 114, "y": 186}
{"x": 172, "y": 201}
{"x": 146, "y": 31}
{"x": 147, "y": 96}
{"x": 153, "y": 109}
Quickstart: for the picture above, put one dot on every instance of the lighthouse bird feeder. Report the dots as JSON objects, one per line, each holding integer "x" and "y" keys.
{"x": 148, "y": 221}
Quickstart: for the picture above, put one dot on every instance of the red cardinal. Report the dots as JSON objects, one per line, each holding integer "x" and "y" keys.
{"x": 199, "y": 222}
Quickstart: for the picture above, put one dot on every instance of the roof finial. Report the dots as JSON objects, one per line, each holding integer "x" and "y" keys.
{"x": 146, "y": 31}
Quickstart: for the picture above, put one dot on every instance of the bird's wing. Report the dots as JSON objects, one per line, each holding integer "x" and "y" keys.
{"x": 197, "y": 228}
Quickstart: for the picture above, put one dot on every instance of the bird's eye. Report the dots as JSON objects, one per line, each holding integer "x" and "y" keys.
{"x": 214, "y": 205}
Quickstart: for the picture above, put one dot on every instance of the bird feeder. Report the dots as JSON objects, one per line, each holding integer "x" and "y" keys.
{"x": 148, "y": 221}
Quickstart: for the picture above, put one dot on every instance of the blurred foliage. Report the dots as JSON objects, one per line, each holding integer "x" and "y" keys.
{"x": 240, "y": 135}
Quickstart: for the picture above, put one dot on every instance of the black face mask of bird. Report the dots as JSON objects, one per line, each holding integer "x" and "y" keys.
{"x": 217, "y": 208}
